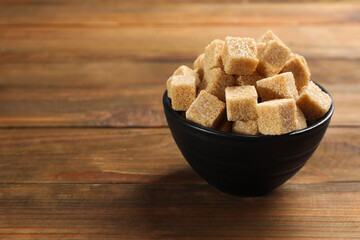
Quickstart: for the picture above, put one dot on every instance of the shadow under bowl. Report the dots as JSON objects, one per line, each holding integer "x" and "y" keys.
{"x": 244, "y": 165}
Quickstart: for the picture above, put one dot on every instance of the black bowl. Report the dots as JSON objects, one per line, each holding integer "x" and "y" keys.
{"x": 244, "y": 165}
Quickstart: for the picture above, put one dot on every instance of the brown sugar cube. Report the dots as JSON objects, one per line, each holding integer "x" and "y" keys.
{"x": 269, "y": 36}
{"x": 212, "y": 57}
{"x": 199, "y": 62}
{"x": 183, "y": 92}
{"x": 260, "y": 46}
{"x": 185, "y": 71}
{"x": 249, "y": 127}
{"x": 168, "y": 86}
{"x": 199, "y": 65}
{"x": 241, "y": 103}
{"x": 313, "y": 102}
{"x": 248, "y": 79}
{"x": 207, "y": 110}
{"x": 224, "y": 126}
{"x": 277, "y": 116}
{"x": 215, "y": 81}
{"x": 273, "y": 58}
{"x": 298, "y": 66}
{"x": 300, "y": 119}
{"x": 239, "y": 56}
{"x": 277, "y": 87}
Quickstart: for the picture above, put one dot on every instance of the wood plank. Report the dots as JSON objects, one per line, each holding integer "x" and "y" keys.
{"x": 155, "y": 13}
{"x": 142, "y": 156}
{"x": 117, "y": 94}
{"x": 64, "y": 43}
{"x": 120, "y": 107}
{"x": 131, "y": 211}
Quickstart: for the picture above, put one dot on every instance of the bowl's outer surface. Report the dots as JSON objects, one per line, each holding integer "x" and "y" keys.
{"x": 241, "y": 164}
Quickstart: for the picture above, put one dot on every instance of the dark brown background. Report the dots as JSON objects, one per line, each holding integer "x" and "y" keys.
{"x": 85, "y": 151}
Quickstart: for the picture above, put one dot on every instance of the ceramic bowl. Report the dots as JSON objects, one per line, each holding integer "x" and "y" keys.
{"x": 244, "y": 165}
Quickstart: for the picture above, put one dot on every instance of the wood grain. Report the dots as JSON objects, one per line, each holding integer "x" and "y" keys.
{"x": 117, "y": 94}
{"x": 151, "y": 211}
{"x": 159, "y": 13}
{"x": 85, "y": 62}
{"x": 68, "y": 43}
{"x": 84, "y": 148}
{"x": 142, "y": 156}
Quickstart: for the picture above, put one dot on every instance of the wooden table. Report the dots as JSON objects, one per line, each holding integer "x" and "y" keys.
{"x": 85, "y": 152}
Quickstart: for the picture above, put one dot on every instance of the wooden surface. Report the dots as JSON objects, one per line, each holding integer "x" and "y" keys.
{"x": 85, "y": 152}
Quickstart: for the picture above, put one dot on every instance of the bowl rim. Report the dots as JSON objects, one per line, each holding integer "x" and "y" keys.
{"x": 197, "y": 127}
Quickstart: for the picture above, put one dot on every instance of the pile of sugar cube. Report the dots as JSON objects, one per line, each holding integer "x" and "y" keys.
{"x": 249, "y": 87}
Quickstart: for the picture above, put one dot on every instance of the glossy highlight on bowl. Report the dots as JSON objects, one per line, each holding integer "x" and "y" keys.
{"x": 244, "y": 165}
